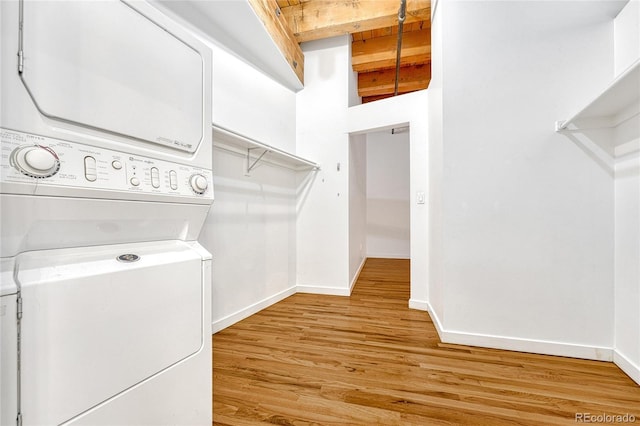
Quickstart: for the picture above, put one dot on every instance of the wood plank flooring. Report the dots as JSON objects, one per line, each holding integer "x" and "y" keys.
{"x": 369, "y": 360}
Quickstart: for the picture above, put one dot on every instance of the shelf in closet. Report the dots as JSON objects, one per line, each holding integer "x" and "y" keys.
{"x": 256, "y": 152}
{"x": 616, "y": 104}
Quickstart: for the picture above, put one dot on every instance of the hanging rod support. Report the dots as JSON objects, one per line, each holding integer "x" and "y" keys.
{"x": 402, "y": 15}
{"x": 250, "y": 165}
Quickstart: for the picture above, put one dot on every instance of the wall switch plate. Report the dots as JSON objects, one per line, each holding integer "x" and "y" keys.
{"x": 420, "y": 197}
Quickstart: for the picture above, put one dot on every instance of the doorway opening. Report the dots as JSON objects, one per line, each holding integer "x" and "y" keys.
{"x": 379, "y": 200}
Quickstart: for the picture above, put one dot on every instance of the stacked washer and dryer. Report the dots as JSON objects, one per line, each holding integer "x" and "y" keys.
{"x": 105, "y": 183}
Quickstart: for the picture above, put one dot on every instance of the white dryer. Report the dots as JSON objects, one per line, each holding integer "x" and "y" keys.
{"x": 105, "y": 183}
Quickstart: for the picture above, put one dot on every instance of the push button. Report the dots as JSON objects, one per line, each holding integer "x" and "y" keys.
{"x": 90, "y": 169}
{"x": 116, "y": 164}
{"x": 135, "y": 181}
{"x": 155, "y": 177}
{"x": 173, "y": 179}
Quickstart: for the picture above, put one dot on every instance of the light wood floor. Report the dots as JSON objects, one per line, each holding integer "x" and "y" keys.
{"x": 367, "y": 359}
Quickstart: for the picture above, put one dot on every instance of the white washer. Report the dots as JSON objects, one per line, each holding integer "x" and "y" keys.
{"x": 105, "y": 183}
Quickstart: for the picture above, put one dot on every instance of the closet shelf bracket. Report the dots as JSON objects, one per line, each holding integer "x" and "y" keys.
{"x": 614, "y": 105}
{"x": 250, "y": 165}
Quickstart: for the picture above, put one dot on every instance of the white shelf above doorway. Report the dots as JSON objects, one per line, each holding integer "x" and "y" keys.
{"x": 617, "y": 103}
{"x": 257, "y": 152}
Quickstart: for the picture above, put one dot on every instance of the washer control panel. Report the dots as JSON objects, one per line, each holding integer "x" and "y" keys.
{"x": 25, "y": 158}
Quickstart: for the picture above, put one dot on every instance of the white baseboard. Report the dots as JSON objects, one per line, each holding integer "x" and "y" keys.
{"x": 330, "y": 291}
{"x": 513, "y": 343}
{"x": 388, "y": 256}
{"x": 231, "y": 319}
{"x": 421, "y": 305}
{"x": 529, "y": 345}
{"x": 626, "y": 365}
{"x": 357, "y": 275}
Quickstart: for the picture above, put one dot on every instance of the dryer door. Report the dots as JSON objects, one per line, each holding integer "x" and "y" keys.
{"x": 106, "y": 66}
{"x": 93, "y": 326}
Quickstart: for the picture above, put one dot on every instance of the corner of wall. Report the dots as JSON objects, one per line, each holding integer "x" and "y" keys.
{"x": 423, "y": 305}
{"x": 229, "y": 320}
{"x": 626, "y": 365}
{"x": 357, "y": 275}
{"x": 354, "y": 97}
{"x": 627, "y": 36}
{"x": 322, "y": 255}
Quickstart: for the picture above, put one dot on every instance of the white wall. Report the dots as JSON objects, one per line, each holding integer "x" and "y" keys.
{"x": 627, "y": 205}
{"x": 627, "y": 264}
{"x": 249, "y": 103}
{"x": 251, "y": 226}
{"x": 250, "y": 231}
{"x": 388, "y": 198}
{"x": 435, "y": 304}
{"x": 323, "y": 210}
{"x": 627, "y": 36}
{"x": 354, "y": 98}
{"x": 409, "y": 109}
{"x": 358, "y": 168}
{"x": 527, "y": 220}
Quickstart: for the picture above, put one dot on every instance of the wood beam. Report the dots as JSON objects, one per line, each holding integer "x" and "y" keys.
{"x": 276, "y": 25}
{"x": 317, "y": 19}
{"x": 368, "y": 99}
{"x": 380, "y": 52}
{"x": 415, "y": 77}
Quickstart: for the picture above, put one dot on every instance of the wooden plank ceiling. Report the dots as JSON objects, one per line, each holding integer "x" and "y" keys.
{"x": 373, "y": 25}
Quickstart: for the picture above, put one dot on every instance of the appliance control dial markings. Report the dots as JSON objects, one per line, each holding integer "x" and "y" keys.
{"x": 199, "y": 183}
{"x": 36, "y": 161}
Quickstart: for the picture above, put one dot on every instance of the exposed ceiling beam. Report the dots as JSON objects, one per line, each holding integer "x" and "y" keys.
{"x": 415, "y": 77}
{"x": 380, "y": 52}
{"x": 317, "y": 19}
{"x": 276, "y": 25}
{"x": 368, "y": 99}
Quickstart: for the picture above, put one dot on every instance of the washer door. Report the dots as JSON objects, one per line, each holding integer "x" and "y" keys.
{"x": 94, "y": 326}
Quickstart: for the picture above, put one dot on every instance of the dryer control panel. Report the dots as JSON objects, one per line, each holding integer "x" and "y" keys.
{"x": 26, "y": 158}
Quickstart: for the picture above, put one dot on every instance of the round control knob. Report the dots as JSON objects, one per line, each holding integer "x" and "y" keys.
{"x": 199, "y": 184}
{"x": 35, "y": 161}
